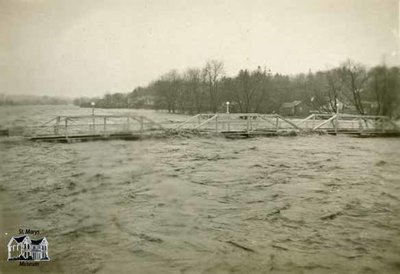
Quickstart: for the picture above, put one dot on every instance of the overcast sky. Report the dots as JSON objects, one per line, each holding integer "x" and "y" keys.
{"x": 81, "y": 47}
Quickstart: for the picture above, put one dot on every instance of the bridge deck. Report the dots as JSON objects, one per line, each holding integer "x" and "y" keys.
{"x": 234, "y": 125}
{"x": 240, "y": 125}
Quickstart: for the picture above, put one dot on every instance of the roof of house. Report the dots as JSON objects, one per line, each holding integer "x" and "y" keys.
{"x": 36, "y": 242}
{"x": 291, "y": 104}
{"x": 20, "y": 238}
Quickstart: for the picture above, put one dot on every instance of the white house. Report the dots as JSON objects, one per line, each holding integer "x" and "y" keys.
{"x": 24, "y": 248}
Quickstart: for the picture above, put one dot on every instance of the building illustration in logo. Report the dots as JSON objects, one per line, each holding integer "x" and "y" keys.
{"x": 24, "y": 248}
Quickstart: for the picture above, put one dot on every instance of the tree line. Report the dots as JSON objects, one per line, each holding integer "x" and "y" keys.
{"x": 352, "y": 85}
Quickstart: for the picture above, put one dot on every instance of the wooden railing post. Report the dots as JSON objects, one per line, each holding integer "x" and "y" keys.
{"x": 198, "y": 116}
{"x": 314, "y": 118}
{"x": 57, "y": 125}
{"x": 324, "y": 123}
{"x": 105, "y": 125}
{"x": 305, "y": 121}
{"x": 288, "y": 122}
{"x": 66, "y": 127}
{"x": 336, "y": 123}
{"x": 206, "y": 121}
{"x": 216, "y": 124}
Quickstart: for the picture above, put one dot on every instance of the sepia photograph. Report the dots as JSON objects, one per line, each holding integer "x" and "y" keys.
{"x": 199, "y": 136}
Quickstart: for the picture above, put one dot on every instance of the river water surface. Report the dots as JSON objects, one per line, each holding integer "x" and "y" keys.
{"x": 309, "y": 204}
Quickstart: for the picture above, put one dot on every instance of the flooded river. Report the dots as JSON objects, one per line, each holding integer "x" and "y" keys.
{"x": 314, "y": 204}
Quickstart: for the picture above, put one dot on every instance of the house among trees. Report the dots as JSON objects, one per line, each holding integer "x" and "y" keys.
{"x": 295, "y": 108}
{"x": 24, "y": 248}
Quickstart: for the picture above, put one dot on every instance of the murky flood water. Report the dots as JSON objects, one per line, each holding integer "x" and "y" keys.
{"x": 317, "y": 204}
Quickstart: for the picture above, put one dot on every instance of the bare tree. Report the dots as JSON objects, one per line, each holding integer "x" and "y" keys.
{"x": 354, "y": 79}
{"x": 318, "y": 93}
{"x": 249, "y": 89}
{"x": 212, "y": 73}
{"x": 335, "y": 88}
{"x": 385, "y": 86}
{"x": 168, "y": 90}
{"x": 193, "y": 87}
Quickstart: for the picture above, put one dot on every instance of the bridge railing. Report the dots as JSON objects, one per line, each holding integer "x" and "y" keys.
{"x": 251, "y": 122}
{"x": 213, "y": 123}
{"x": 247, "y": 122}
{"x": 348, "y": 123}
{"x": 92, "y": 124}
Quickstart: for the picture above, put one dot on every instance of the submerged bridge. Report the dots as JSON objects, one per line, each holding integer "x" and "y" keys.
{"x": 233, "y": 125}
{"x": 244, "y": 125}
{"x": 93, "y": 127}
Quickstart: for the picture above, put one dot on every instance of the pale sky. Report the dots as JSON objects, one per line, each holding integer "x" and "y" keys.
{"x": 90, "y": 47}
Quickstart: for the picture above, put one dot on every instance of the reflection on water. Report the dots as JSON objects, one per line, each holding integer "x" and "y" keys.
{"x": 319, "y": 204}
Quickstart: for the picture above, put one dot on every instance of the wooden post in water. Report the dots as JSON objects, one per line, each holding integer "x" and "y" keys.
{"x": 66, "y": 127}
{"x": 337, "y": 117}
{"x": 93, "y": 118}
{"x": 336, "y": 123}
{"x": 57, "y": 125}
{"x": 366, "y": 124}
{"x": 93, "y": 124}
{"x": 105, "y": 126}
{"x": 216, "y": 124}
{"x": 313, "y": 124}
